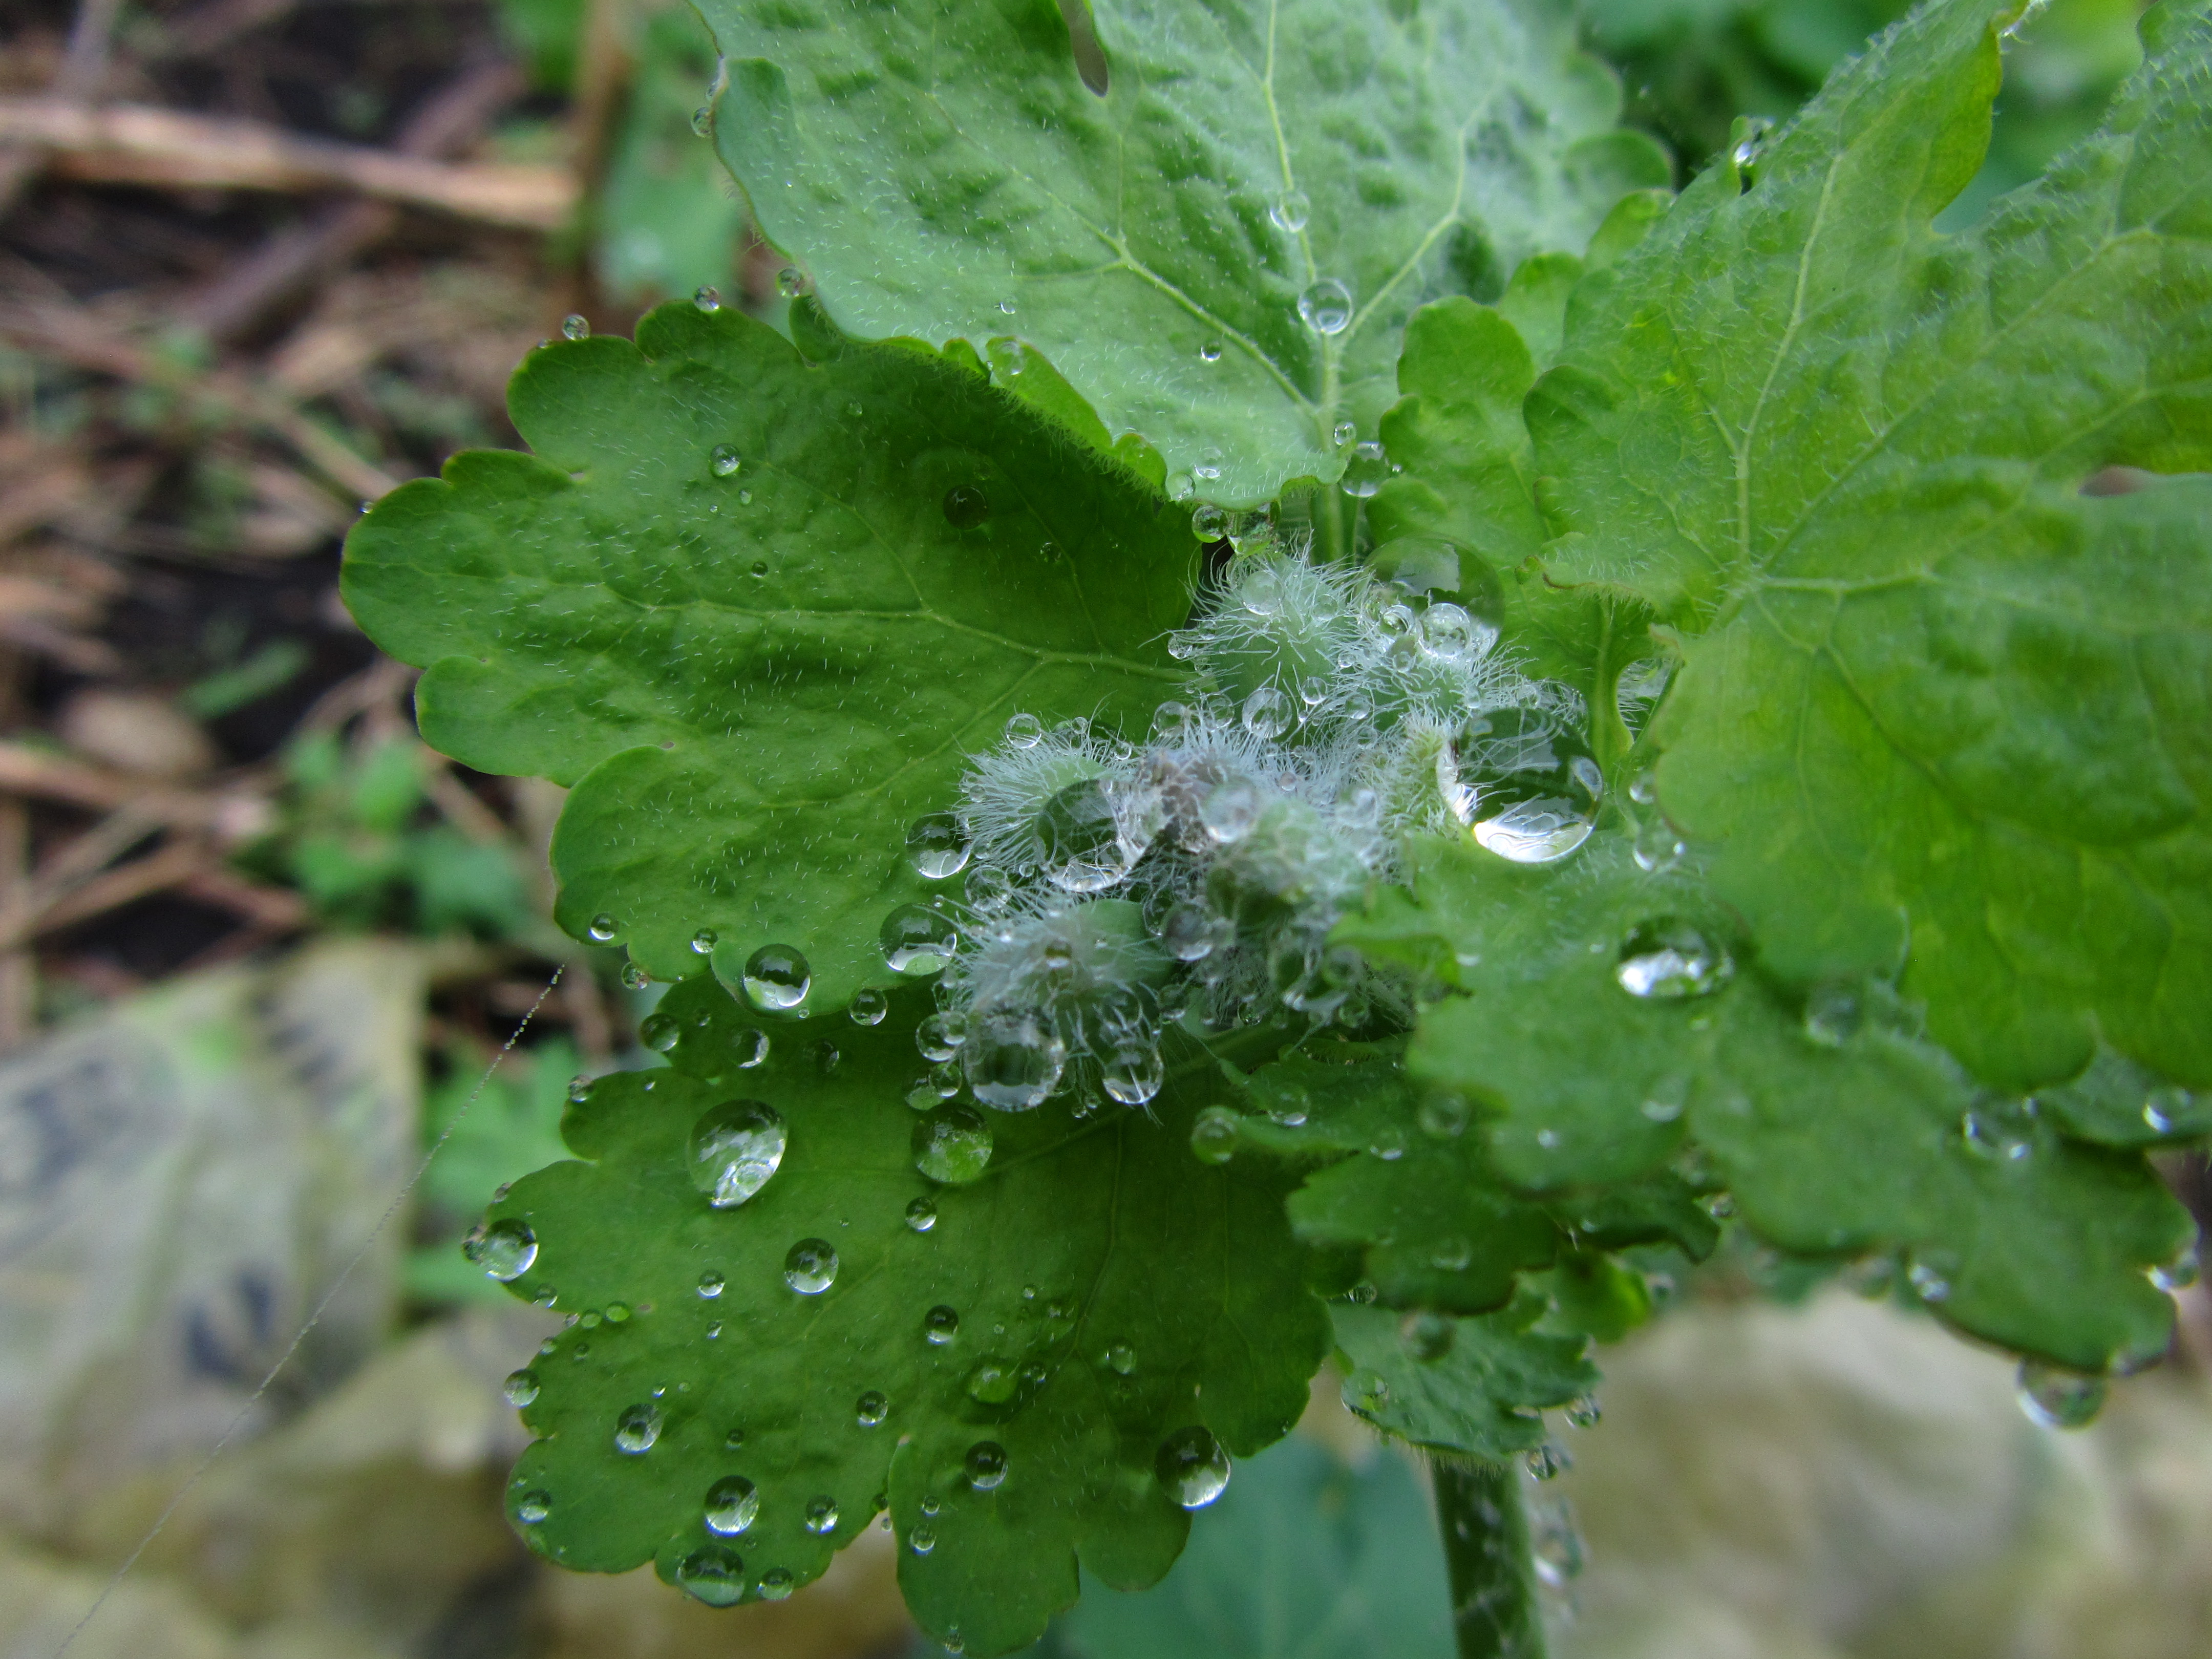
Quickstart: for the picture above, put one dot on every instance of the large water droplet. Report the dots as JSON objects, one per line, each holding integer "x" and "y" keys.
{"x": 504, "y": 1249}
{"x": 1189, "y": 933}
{"x": 533, "y": 1507}
{"x": 871, "y": 1410}
{"x": 1012, "y": 1060}
{"x": 575, "y": 326}
{"x": 1326, "y": 306}
{"x": 1291, "y": 210}
{"x": 1366, "y": 469}
{"x": 2057, "y": 1399}
{"x": 1230, "y": 809}
{"x": 986, "y": 1465}
{"x": 2179, "y": 1273}
{"x": 733, "y": 1505}
{"x": 735, "y": 1147}
{"x": 603, "y": 928}
{"x": 1213, "y": 1134}
{"x": 1193, "y": 1468}
{"x": 868, "y": 1007}
{"x": 966, "y": 506}
{"x": 937, "y": 846}
{"x": 922, "y": 1539}
{"x": 714, "y": 1574}
{"x": 821, "y": 1515}
{"x": 1518, "y": 774}
{"x": 637, "y": 1428}
{"x": 940, "y": 1326}
{"x": 1267, "y": 714}
{"x": 1025, "y": 731}
{"x": 1077, "y": 841}
{"x": 777, "y": 978}
{"x": 726, "y": 461}
{"x": 776, "y": 1584}
{"x": 1209, "y": 523}
{"x": 951, "y": 1145}
{"x": 1669, "y": 959}
{"x": 1134, "y": 1073}
{"x": 940, "y": 1035}
{"x": 810, "y": 1266}
{"x": 1449, "y": 634}
{"x": 521, "y": 1388}
{"x": 918, "y": 940}
{"x": 921, "y": 1215}
{"x": 749, "y": 1047}
{"x": 660, "y": 1032}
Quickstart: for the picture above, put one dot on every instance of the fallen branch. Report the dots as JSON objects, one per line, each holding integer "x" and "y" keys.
{"x": 139, "y": 144}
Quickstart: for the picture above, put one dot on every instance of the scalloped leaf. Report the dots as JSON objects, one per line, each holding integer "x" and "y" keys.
{"x": 1109, "y": 1289}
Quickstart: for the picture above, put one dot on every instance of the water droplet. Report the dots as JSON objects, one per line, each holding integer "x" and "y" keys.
{"x": 1210, "y": 352}
{"x": 1366, "y": 1391}
{"x": 660, "y": 1032}
{"x": 619, "y": 1313}
{"x": 703, "y": 941}
{"x": 917, "y": 940}
{"x": 776, "y": 1584}
{"x": 749, "y": 1047}
{"x": 706, "y": 297}
{"x": 1750, "y": 135}
{"x": 1120, "y": 1359}
{"x": 703, "y": 122}
{"x": 1188, "y": 933}
{"x": 868, "y": 1007}
{"x": 726, "y": 461}
{"x": 710, "y": 1284}
{"x": 504, "y": 1249}
{"x": 810, "y": 1266}
{"x": 921, "y": 1215}
{"x": 1213, "y": 1134}
{"x": 993, "y": 1380}
{"x": 575, "y": 326}
{"x": 1207, "y": 467}
{"x": 1517, "y": 769}
{"x": 986, "y": 1465}
{"x": 1180, "y": 487}
{"x": 636, "y": 1428}
{"x": 937, "y": 846}
{"x": 987, "y": 891}
{"x": 2177, "y": 1274}
{"x": 1343, "y": 433}
{"x": 634, "y": 977}
{"x": 1931, "y": 1285}
{"x": 1078, "y": 839}
{"x": 733, "y": 1503}
{"x": 822, "y": 1515}
{"x": 1449, "y": 633}
{"x": 966, "y": 506}
{"x": 1025, "y": 731}
{"x": 735, "y": 1147}
{"x": 1452, "y": 1254}
{"x": 745, "y": 499}
{"x": 1555, "y": 1549}
{"x": 1365, "y": 471}
{"x": 1291, "y": 210}
{"x": 734, "y": 1439}
{"x": 1012, "y": 1060}
{"x": 1267, "y": 714}
{"x": 521, "y": 1388}
{"x": 777, "y": 978}
{"x": 790, "y": 282}
{"x": 604, "y": 927}
{"x": 921, "y": 1540}
{"x": 1547, "y": 1461}
{"x": 1583, "y": 1410}
{"x": 1427, "y": 1336}
{"x": 940, "y": 1035}
{"x": 1134, "y": 1073}
{"x": 940, "y": 1326}
{"x": 1670, "y": 959}
{"x": 533, "y": 1507}
{"x": 1326, "y": 306}
{"x": 1191, "y": 1467}
{"x": 579, "y": 1089}
{"x": 2057, "y": 1399}
{"x": 871, "y": 1410}
{"x": 714, "y": 1574}
{"x": 1230, "y": 809}
{"x": 1443, "y": 1115}
{"x": 951, "y": 1145}
{"x": 1209, "y": 523}
{"x": 1658, "y": 847}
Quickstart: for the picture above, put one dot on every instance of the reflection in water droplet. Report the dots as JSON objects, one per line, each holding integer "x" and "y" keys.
{"x": 1213, "y": 1134}
{"x": 1267, "y": 714}
{"x": 521, "y": 1388}
{"x": 1366, "y": 469}
{"x": 714, "y": 1574}
{"x": 533, "y": 1507}
{"x": 940, "y": 1035}
{"x": 735, "y": 1147}
{"x": 505, "y": 1250}
{"x": 1191, "y": 1467}
{"x": 1669, "y": 959}
{"x": 1132, "y": 1075}
{"x": 951, "y": 1145}
{"x": 1230, "y": 809}
{"x": 1011, "y": 1059}
{"x": 777, "y": 978}
{"x": 575, "y": 326}
{"x": 918, "y": 940}
{"x": 2057, "y": 1399}
{"x": 703, "y": 941}
{"x": 966, "y": 507}
{"x": 1210, "y": 352}
{"x": 1120, "y": 1359}
{"x": 1291, "y": 210}
{"x": 822, "y": 1514}
{"x": 810, "y": 1266}
{"x": 872, "y": 1409}
{"x": 921, "y": 1540}
{"x": 733, "y": 1503}
{"x": 603, "y": 928}
{"x": 986, "y": 1465}
{"x": 636, "y": 1428}
{"x": 776, "y": 1584}
{"x": 940, "y": 1325}
{"x": 921, "y": 1215}
{"x": 868, "y": 1008}
{"x": 726, "y": 461}
{"x": 1209, "y": 523}
{"x": 1326, "y": 306}
{"x": 710, "y": 1284}
{"x": 750, "y": 1046}
{"x": 707, "y": 296}
{"x": 937, "y": 846}
{"x": 790, "y": 282}
{"x": 660, "y": 1032}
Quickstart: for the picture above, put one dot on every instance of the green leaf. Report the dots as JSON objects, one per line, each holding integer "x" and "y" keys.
{"x": 1835, "y": 1128}
{"x": 1110, "y": 1290}
{"x": 1482, "y": 1396}
{"x": 754, "y": 682}
{"x": 1936, "y": 709}
{"x": 944, "y": 171}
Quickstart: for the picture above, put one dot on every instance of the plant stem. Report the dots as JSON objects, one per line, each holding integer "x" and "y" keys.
{"x": 1493, "y": 1575}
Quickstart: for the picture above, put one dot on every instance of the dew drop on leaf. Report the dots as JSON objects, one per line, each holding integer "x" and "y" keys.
{"x": 821, "y": 1515}
{"x": 603, "y": 928}
{"x": 992, "y": 1381}
{"x": 1191, "y": 1467}
{"x": 1213, "y": 1134}
{"x": 1210, "y": 352}
{"x": 1658, "y": 847}
{"x": 706, "y": 297}
{"x": 2057, "y": 1398}
{"x": 1583, "y": 1410}
{"x": 966, "y": 507}
{"x": 735, "y": 1147}
{"x": 1452, "y": 1254}
{"x": 1134, "y": 1073}
{"x": 1079, "y": 840}
{"x": 634, "y": 977}
{"x": 505, "y": 1250}
{"x": 1230, "y": 810}
{"x": 725, "y": 461}
{"x": 940, "y": 1326}
{"x": 2177, "y": 1274}
{"x": 533, "y": 1507}
{"x": 1209, "y": 523}
{"x": 521, "y": 1388}
{"x": 1207, "y": 467}
{"x": 1343, "y": 434}
{"x": 810, "y": 1266}
{"x": 1449, "y": 634}
{"x": 1669, "y": 959}
{"x": 1120, "y": 1359}
{"x": 776, "y": 1584}
{"x": 710, "y": 1284}
{"x": 1443, "y": 1115}
{"x": 871, "y": 1409}
{"x": 733, "y": 1503}
{"x": 937, "y": 846}
{"x": 790, "y": 282}
{"x": 1188, "y": 933}
{"x": 1326, "y": 306}
{"x": 1267, "y": 714}
{"x": 917, "y": 940}
{"x": 940, "y": 1035}
{"x": 712, "y": 1574}
{"x": 1025, "y": 731}
{"x": 619, "y": 1313}
{"x": 921, "y": 1215}
{"x": 777, "y": 978}
{"x": 660, "y": 1032}
{"x": 1012, "y": 1060}
{"x": 575, "y": 326}
{"x": 1365, "y": 469}
{"x": 636, "y": 1428}
{"x": 951, "y": 1145}
{"x": 922, "y": 1539}
{"x": 868, "y": 1008}
{"x": 703, "y": 941}
{"x": 986, "y": 1465}
{"x": 1291, "y": 210}
{"x": 1547, "y": 1461}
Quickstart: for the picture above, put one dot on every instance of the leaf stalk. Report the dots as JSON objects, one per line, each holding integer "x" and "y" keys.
{"x": 1486, "y": 1553}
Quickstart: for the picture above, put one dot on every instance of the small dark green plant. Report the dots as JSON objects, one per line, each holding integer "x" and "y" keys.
{"x": 1303, "y": 715}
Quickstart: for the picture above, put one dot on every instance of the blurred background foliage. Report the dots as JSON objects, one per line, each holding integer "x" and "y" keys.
{"x": 259, "y": 948}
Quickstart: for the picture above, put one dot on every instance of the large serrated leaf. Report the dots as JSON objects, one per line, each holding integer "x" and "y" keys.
{"x": 943, "y": 171}
{"x": 1839, "y": 1135}
{"x": 1936, "y": 709}
{"x": 755, "y": 611}
{"x": 1109, "y": 1289}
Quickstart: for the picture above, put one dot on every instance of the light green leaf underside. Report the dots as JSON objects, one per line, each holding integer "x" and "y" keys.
{"x": 1079, "y": 1239}
{"x": 1937, "y": 710}
{"x": 941, "y": 171}
{"x": 755, "y": 682}
{"x": 1842, "y": 1137}
{"x": 1482, "y": 1397}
